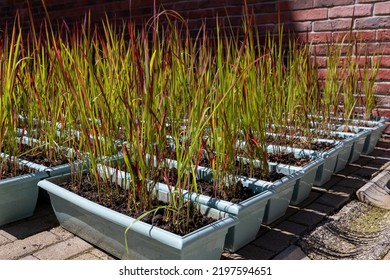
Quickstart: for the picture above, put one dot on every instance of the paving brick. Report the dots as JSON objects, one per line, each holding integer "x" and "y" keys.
{"x": 62, "y": 233}
{"x": 345, "y": 191}
{"x": 348, "y": 169}
{"x": 30, "y": 227}
{"x": 333, "y": 180}
{"x": 29, "y": 257}
{"x": 101, "y": 255}
{"x": 387, "y": 257}
{"x": 275, "y": 240}
{"x": 291, "y": 228}
{"x": 252, "y": 252}
{"x": 365, "y": 172}
{"x": 86, "y": 256}
{"x": 292, "y": 252}
{"x": 231, "y": 256}
{"x": 311, "y": 215}
{"x": 310, "y": 199}
{"x": 333, "y": 200}
{"x": 352, "y": 183}
{"x": 378, "y": 162}
{"x": 3, "y": 240}
{"x": 64, "y": 250}
{"x": 24, "y": 247}
{"x": 363, "y": 160}
{"x": 7, "y": 235}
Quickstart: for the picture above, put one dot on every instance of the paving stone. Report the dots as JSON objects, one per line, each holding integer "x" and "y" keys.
{"x": 293, "y": 252}
{"x": 332, "y": 200}
{"x": 363, "y": 160}
{"x": 3, "y": 240}
{"x": 291, "y": 228}
{"x": 349, "y": 169}
{"x": 64, "y": 250}
{"x": 387, "y": 257}
{"x": 30, "y": 227}
{"x": 101, "y": 255}
{"x": 275, "y": 240}
{"x": 62, "y": 233}
{"x": 252, "y": 252}
{"x": 352, "y": 183}
{"x": 291, "y": 210}
{"x": 310, "y": 199}
{"x": 365, "y": 172}
{"x": 334, "y": 179}
{"x": 380, "y": 153}
{"x": 378, "y": 162}
{"x": 29, "y": 257}
{"x": 21, "y": 248}
{"x": 311, "y": 215}
{"x": 86, "y": 256}
{"x": 346, "y": 191}
{"x": 7, "y": 235}
{"x": 231, "y": 256}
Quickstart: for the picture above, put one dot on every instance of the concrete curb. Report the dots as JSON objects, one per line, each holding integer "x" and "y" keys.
{"x": 376, "y": 192}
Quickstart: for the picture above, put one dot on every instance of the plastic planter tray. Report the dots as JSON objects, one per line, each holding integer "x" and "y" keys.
{"x": 107, "y": 229}
{"x": 376, "y": 129}
{"x": 303, "y": 185}
{"x": 361, "y": 137}
{"x": 325, "y": 170}
{"x": 18, "y": 195}
{"x": 282, "y": 190}
{"x": 249, "y": 213}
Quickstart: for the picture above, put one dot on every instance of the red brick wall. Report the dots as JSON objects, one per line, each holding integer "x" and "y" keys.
{"x": 315, "y": 20}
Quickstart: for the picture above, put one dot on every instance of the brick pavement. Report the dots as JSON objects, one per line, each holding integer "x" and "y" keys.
{"x": 41, "y": 238}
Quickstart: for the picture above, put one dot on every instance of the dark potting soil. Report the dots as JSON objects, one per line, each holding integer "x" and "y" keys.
{"x": 288, "y": 158}
{"x": 11, "y": 169}
{"x": 183, "y": 221}
{"x": 301, "y": 143}
{"x": 40, "y": 156}
{"x": 235, "y": 192}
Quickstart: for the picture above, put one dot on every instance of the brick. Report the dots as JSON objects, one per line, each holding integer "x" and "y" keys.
{"x": 292, "y": 252}
{"x": 332, "y": 25}
{"x": 350, "y": 11}
{"x": 274, "y": 241}
{"x": 33, "y": 226}
{"x": 252, "y": 252}
{"x": 301, "y": 26}
{"x": 296, "y": 5}
{"x": 290, "y": 228}
{"x": 387, "y": 256}
{"x": 29, "y": 257}
{"x": 64, "y": 250}
{"x": 368, "y": 1}
{"x": 100, "y": 254}
{"x": 333, "y": 200}
{"x": 61, "y": 233}
{"x": 382, "y": 8}
{"x": 382, "y": 88}
{"x": 86, "y": 256}
{"x": 347, "y": 187}
{"x": 383, "y": 75}
{"x": 305, "y": 15}
{"x": 20, "y": 248}
{"x": 331, "y": 3}
{"x": 372, "y": 22}
{"x": 312, "y": 214}
{"x": 6, "y": 234}
{"x": 360, "y": 36}
{"x": 383, "y": 35}
{"x": 315, "y": 38}
{"x": 3, "y": 240}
